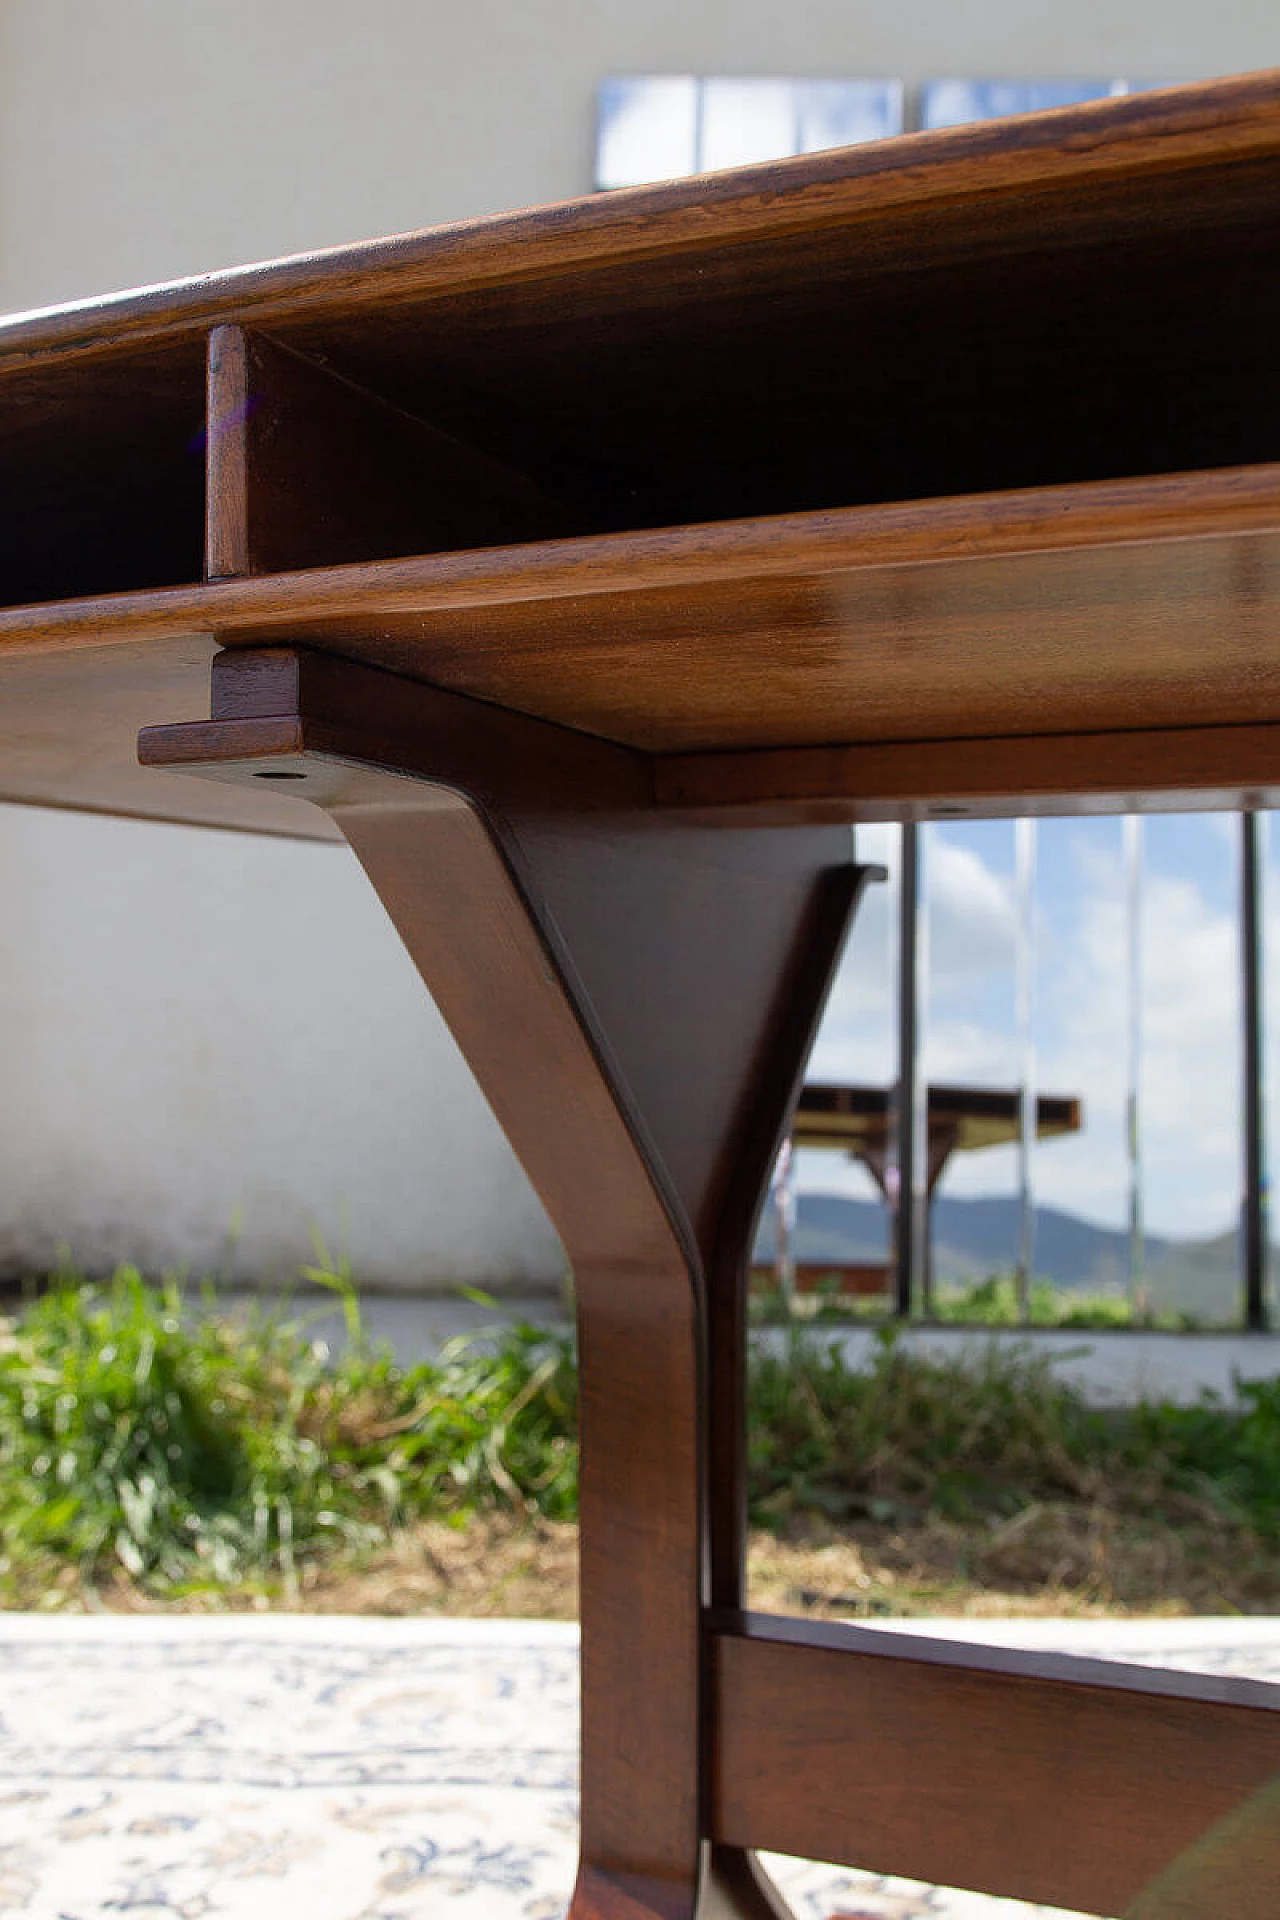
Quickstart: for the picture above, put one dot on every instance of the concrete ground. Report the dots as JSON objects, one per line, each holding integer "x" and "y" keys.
{"x": 370, "y": 1769}
{"x": 413, "y": 1326}
{"x": 1114, "y": 1367}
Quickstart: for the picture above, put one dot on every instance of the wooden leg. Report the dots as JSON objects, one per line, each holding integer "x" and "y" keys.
{"x": 635, "y": 995}
{"x": 634, "y": 992}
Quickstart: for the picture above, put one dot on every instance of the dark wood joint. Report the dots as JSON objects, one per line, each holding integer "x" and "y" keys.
{"x": 255, "y": 683}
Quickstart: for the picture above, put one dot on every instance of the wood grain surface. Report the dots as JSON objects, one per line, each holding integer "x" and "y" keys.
{"x": 1134, "y": 771}
{"x": 1125, "y": 607}
{"x": 1071, "y": 1782}
{"x": 68, "y": 739}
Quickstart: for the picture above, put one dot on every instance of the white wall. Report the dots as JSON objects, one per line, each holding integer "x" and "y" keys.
{"x": 193, "y": 1026}
{"x": 201, "y": 1031}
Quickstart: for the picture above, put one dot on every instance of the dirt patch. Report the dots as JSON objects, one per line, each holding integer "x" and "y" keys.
{"x": 1047, "y": 1560}
{"x": 491, "y": 1569}
{"x": 495, "y": 1567}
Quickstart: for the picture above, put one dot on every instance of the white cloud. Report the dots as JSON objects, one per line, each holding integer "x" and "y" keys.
{"x": 970, "y": 935}
{"x": 971, "y": 914}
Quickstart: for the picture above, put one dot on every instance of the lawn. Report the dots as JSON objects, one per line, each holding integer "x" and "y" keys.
{"x": 152, "y": 1456}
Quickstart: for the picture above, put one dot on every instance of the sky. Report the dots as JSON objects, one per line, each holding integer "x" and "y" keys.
{"x": 1190, "y": 1041}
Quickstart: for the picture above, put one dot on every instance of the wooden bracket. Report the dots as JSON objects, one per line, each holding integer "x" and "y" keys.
{"x": 636, "y": 996}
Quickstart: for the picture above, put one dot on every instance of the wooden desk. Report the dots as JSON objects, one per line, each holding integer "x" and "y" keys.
{"x": 558, "y": 561}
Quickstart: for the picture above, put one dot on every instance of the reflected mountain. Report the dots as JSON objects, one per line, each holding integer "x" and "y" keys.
{"x": 977, "y": 1237}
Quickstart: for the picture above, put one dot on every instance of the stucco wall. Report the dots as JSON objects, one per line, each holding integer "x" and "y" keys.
{"x": 196, "y": 1029}
{"x": 212, "y": 1044}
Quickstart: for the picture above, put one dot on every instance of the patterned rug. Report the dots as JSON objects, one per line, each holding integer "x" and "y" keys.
{"x": 249, "y": 1769}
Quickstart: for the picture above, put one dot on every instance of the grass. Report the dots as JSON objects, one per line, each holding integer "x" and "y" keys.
{"x": 960, "y": 1437}
{"x": 194, "y": 1454}
{"x": 988, "y": 1484}
{"x": 989, "y": 1302}
{"x": 993, "y": 1302}
{"x": 147, "y": 1451}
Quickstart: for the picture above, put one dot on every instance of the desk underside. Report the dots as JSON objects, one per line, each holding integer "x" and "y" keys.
{"x": 1025, "y": 616}
{"x": 965, "y": 438}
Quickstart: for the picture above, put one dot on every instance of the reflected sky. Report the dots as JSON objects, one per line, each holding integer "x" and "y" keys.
{"x": 952, "y": 103}
{"x": 1190, "y": 1079}
{"x": 658, "y": 126}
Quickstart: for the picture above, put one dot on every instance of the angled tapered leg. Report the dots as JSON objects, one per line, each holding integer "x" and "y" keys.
{"x": 635, "y": 995}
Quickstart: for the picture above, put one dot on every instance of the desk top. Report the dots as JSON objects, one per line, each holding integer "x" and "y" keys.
{"x": 964, "y": 436}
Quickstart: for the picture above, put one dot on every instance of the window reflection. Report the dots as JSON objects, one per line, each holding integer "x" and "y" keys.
{"x": 658, "y": 126}
{"x": 646, "y": 129}
{"x": 952, "y": 103}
